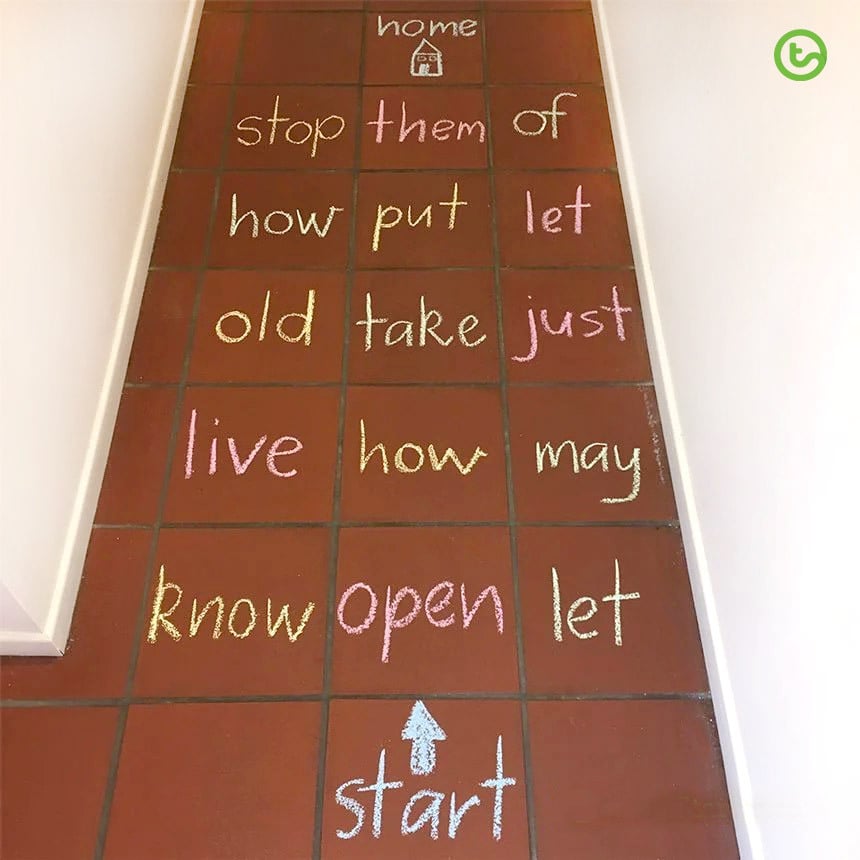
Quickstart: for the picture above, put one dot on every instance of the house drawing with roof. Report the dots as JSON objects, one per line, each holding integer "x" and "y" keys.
{"x": 426, "y": 61}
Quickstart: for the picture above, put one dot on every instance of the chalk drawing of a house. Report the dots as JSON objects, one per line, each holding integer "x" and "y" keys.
{"x": 426, "y": 61}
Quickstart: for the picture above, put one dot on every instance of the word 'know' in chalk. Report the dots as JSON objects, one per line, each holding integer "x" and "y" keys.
{"x": 243, "y": 618}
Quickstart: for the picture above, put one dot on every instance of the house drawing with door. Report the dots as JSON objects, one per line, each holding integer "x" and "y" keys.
{"x": 426, "y": 61}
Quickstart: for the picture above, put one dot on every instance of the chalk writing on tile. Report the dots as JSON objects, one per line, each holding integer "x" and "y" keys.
{"x": 533, "y": 123}
{"x": 297, "y": 132}
{"x": 550, "y": 217}
{"x": 358, "y": 606}
{"x": 389, "y": 216}
{"x": 403, "y": 332}
{"x": 467, "y": 27}
{"x": 283, "y": 446}
{"x": 412, "y": 129}
{"x": 168, "y": 615}
{"x": 584, "y": 608}
{"x": 593, "y": 455}
{"x": 424, "y": 809}
{"x": 236, "y": 326}
{"x": 426, "y": 61}
{"x": 591, "y": 324}
{"x": 410, "y": 458}
{"x": 279, "y": 222}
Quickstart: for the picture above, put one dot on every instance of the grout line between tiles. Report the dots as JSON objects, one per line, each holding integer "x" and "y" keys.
{"x": 420, "y": 384}
{"x": 269, "y": 269}
{"x": 407, "y": 524}
{"x": 113, "y": 771}
{"x": 506, "y": 436}
{"x": 334, "y": 545}
{"x": 466, "y": 696}
{"x": 444, "y": 171}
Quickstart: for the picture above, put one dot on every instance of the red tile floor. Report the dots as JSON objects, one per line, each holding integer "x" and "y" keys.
{"x": 387, "y": 562}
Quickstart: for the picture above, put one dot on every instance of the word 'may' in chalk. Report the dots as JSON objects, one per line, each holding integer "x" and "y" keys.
{"x": 239, "y": 322}
{"x": 279, "y": 222}
{"x": 416, "y": 131}
{"x": 297, "y": 132}
{"x": 616, "y": 597}
{"x": 594, "y": 454}
{"x": 403, "y": 331}
{"x": 404, "y": 607}
{"x": 283, "y": 446}
{"x": 415, "y": 818}
{"x": 416, "y": 27}
{"x": 389, "y": 216}
{"x": 565, "y": 326}
{"x": 241, "y": 620}
{"x": 554, "y": 214}
{"x": 416, "y": 455}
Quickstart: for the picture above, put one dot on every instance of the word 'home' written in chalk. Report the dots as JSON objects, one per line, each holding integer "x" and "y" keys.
{"x": 358, "y": 608}
{"x": 175, "y": 619}
{"x": 241, "y": 456}
{"x": 465, "y": 28}
{"x": 589, "y": 324}
{"x": 236, "y": 326}
{"x": 289, "y": 130}
{"x": 410, "y": 457}
{"x": 584, "y": 608}
{"x": 390, "y": 216}
{"x": 422, "y": 332}
{"x": 594, "y": 455}
{"x": 279, "y": 222}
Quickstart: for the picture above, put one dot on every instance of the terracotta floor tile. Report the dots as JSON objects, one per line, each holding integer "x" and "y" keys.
{"x": 184, "y": 222}
{"x": 559, "y": 47}
{"x": 293, "y": 127}
{"x": 226, "y": 5}
{"x": 627, "y": 780}
{"x": 269, "y": 327}
{"x": 424, "y": 632}
{"x": 243, "y": 645}
{"x": 223, "y": 782}
{"x": 202, "y": 127}
{"x": 393, "y": 40}
{"x": 54, "y": 771}
{"x": 435, "y": 5}
{"x": 364, "y": 743}
{"x": 579, "y": 136}
{"x": 424, "y": 127}
{"x": 396, "y": 347}
{"x": 561, "y": 219}
{"x": 411, "y": 484}
{"x": 96, "y": 662}
{"x": 305, "y": 5}
{"x": 626, "y": 462}
{"x": 217, "y": 50}
{"x": 302, "y": 47}
{"x": 278, "y": 483}
{"x": 584, "y": 635}
{"x": 135, "y": 469}
{"x": 393, "y": 235}
{"x": 282, "y": 220}
{"x": 573, "y": 326}
{"x": 158, "y": 350}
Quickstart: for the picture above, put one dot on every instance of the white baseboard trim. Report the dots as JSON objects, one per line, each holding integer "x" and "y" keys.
{"x": 59, "y": 617}
{"x": 737, "y": 773}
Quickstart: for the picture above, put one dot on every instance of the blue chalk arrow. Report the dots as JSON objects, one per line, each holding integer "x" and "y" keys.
{"x": 423, "y": 731}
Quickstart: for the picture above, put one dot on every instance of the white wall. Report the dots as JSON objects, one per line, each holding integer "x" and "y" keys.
{"x": 745, "y": 189}
{"x": 84, "y": 86}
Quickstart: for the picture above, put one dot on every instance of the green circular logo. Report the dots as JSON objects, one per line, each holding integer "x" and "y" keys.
{"x": 800, "y": 55}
